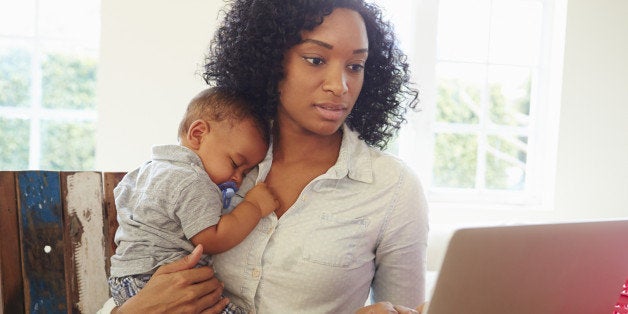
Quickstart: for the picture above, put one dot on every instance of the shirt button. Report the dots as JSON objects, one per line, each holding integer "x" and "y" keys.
{"x": 256, "y": 273}
{"x": 270, "y": 230}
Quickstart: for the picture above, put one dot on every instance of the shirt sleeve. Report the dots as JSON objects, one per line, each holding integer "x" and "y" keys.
{"x": 400, "y": 259}
{"x": 199, "y": 207}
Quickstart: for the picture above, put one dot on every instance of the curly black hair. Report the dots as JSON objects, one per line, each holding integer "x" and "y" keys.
{"x": 247, "y": 51}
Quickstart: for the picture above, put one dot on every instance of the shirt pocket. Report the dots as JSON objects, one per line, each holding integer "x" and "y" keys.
{"x": 335, "y": 241}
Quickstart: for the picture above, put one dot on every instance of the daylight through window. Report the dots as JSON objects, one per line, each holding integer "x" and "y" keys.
{"x": 48, "y": 67}
{"x": 486, "y": 70}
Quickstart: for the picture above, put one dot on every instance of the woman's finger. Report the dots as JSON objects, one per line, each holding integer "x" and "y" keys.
{"x": 188, "y": 262}
{"x": 405, "y": 310}
{"x": 214, "y": 305}
{"x": 195, "y": 275}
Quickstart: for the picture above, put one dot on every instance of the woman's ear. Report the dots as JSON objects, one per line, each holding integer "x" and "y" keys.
{"x": 196, "y": 131}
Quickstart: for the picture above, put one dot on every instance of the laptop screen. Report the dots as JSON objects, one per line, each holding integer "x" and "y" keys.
{"x": 549, "y": 268}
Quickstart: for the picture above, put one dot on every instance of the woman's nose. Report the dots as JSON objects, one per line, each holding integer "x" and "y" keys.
{"x": 336, "y": 81}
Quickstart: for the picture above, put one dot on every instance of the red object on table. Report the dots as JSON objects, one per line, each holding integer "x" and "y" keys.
{"x": 622, "y": 304}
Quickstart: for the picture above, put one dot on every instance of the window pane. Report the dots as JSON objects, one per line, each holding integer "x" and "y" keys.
{"x": 70, "y": 19}
{"x": 510, "y": 89}
{"x": 14, "y": 144}
{"x": 68, "y": 82}
{"x": 17, "y": 18}
{"x": 463, "y": 30}
{"x": 516, "y": 28}
{"x": 506, "y": 163}
{"x": 15, "y": 79}
{"x": 455, "y": 160}
{"x": 68, "y": 146}
{"x": 459, "y": 92}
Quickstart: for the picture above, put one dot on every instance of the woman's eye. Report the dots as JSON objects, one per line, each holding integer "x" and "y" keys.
{"x": 356, "y": 67}
{"x": 314, "y": 60}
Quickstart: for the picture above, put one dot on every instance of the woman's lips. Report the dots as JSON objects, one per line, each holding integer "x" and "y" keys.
{"x": 331, "y": 111}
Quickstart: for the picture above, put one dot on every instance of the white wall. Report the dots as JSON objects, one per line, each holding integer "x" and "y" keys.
{"x": 151, "y": 58}
{"x": 592, "y": 165}
{"x": 152, "y": 54}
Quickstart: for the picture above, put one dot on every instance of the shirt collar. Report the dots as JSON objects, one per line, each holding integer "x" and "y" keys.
{"x": 176, "y": 153}
{"x": 354, "y": 160}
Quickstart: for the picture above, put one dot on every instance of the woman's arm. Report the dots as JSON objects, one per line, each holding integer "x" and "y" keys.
{"x": 400, "y": 259}
{"x": 179, "y": 287}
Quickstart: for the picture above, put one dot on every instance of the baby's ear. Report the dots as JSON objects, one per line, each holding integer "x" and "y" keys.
{"x": 196, "y": 131}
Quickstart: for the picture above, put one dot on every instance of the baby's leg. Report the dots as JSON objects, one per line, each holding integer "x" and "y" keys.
{"x": 123, "y": 288}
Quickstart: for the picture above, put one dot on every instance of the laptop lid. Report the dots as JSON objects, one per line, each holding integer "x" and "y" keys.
{"x": 576, "y": 267}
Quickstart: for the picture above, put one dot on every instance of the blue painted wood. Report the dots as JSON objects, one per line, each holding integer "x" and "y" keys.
{"x": 41, "y": 228}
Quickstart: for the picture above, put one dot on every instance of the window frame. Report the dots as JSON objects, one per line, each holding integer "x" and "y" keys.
{"x": 416, "y": 140}
{"x": 38, "y": 44}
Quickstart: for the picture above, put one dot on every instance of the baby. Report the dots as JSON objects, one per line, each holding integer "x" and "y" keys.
{"x": 173, "y": 202}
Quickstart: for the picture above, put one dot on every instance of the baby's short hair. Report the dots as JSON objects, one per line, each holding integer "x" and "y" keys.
{"x": 218, "y": 104}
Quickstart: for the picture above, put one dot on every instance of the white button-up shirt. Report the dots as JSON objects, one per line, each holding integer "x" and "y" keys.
{"x": 360, "y": 226}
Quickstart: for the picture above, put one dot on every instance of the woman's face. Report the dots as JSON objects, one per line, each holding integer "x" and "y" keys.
{"x": 324, "y": 74}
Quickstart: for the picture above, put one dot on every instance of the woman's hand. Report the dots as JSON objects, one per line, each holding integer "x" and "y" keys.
{"x": 179, "y": 287}
{"x": 387, "y": 307}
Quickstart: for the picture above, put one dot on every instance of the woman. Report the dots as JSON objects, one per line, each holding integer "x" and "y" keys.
{"x": 351, "y": 218}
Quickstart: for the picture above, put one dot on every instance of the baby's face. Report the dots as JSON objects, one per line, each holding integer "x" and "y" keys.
{"x": 231, "y": 149}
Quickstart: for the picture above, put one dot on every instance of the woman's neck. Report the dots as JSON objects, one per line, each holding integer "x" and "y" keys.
{"x": 299, "y": 146}
{"x": 299, "y": 156}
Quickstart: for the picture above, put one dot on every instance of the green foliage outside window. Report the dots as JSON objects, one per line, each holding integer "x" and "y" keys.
{"x": 14, "y": 143}
{"x": 505, "y": 111}
{"x": 455, "y": 160}
{"x": 68, "y": 83}
{"x": 506, "y": 167}
{"x": 457, "y": 102}
{"x": 15, "y": 78}
{"x": 68, "y": 146}
{"x": 456, "y": 154}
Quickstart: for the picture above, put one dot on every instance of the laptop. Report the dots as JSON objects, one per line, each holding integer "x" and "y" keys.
{"x": 575, "y": 267}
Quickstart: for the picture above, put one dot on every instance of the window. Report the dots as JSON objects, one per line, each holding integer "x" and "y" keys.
{"x": 489, "y": 76}
{"x": 48, "y": 65}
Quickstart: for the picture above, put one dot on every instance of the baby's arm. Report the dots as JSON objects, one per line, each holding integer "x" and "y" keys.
{"x": 236, "y": 225}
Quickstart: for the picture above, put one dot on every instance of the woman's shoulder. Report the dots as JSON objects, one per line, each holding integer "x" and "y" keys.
{"x": 380, "y": 162}
{"x": 387, "y": 161}
{"x": 387, "y": 164}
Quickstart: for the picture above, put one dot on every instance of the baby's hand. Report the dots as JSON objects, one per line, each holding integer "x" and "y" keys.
{"x": 261, "y": 196}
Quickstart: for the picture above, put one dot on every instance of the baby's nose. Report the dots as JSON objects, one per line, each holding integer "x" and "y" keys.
{"x": 237, "y": 178}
